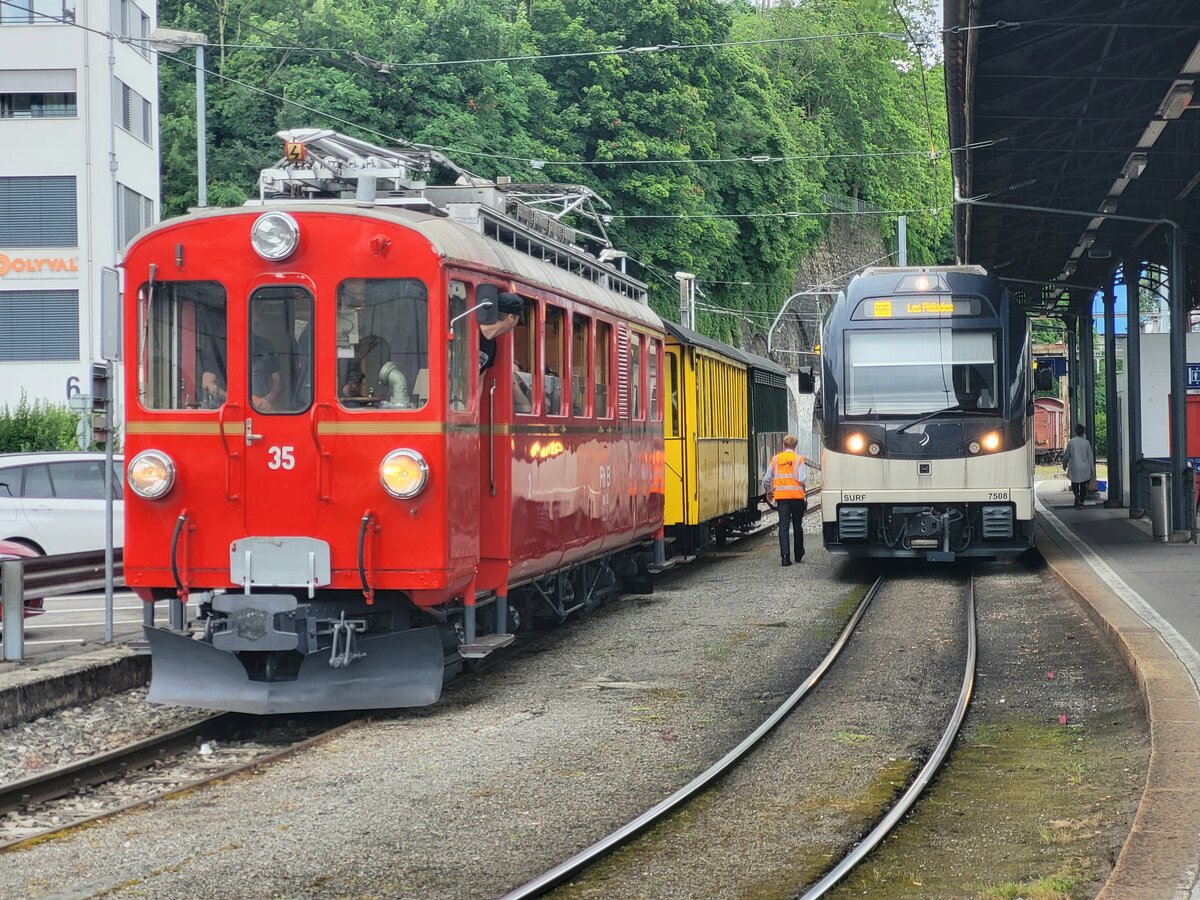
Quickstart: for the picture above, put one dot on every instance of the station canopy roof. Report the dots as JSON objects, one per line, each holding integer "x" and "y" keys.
{"x": 1083, "y": 105}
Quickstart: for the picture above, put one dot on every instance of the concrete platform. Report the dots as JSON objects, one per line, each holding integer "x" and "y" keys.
{"x": 35, "y": 687}
{"x": 1146, "y": 596}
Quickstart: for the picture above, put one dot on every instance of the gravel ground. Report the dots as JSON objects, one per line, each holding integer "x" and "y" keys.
{"x": 78, "y": 732}
{"x": 818, "y": 782}
{"x": 549, "y": 750}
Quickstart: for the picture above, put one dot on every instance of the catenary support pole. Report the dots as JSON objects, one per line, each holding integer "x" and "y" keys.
{"x": 1132, "y": 269}
{"x": 1111, "y": 412}
{"x": 1180, "y": 491}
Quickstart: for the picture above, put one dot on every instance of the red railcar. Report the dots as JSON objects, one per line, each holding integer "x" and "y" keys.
{"x": 314, "y": 450}
{"x": 1049, "y": 429}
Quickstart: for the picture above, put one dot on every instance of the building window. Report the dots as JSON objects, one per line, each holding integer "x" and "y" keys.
{"x": 36, "y": 12}
{"x": 143, "y": 46}
{"x": 136, "y": 114}
{"x": 37, "y": 93}
{"x": 135, "y": 213}
{"x": 38, "y": 212}
{"x": 39, "y": 326}
{"x": 130, "y": 22}
{"x": 37, "y": 106}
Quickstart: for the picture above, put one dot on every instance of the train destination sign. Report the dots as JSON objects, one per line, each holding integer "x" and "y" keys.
{"x": 916, "y": 307}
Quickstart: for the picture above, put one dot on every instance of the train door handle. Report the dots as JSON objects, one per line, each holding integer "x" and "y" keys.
{"x": 251, "y": 437}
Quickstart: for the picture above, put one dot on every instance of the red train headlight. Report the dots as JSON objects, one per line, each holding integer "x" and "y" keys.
{"x": 275, "y": 235}
{"x": 150, "y": 474}
{"x": 404, "y": 473}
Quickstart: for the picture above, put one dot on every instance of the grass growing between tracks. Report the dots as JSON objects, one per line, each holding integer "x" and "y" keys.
{"x": 1022, "y": 811}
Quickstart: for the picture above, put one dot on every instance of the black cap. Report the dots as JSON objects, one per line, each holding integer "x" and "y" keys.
{"x": 507, "y": 304}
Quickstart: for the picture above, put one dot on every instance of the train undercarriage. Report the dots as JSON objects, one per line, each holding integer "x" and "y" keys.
{"x": 936, "y": 532}
{"x": 280, "y": 651}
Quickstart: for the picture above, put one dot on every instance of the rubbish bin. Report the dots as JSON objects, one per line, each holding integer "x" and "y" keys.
{"x": 1160, "y": 505}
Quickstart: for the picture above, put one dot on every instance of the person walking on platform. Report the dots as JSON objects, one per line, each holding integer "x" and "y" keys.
{"x": 1080, "y": 464}
{"x": 784, "y": 486}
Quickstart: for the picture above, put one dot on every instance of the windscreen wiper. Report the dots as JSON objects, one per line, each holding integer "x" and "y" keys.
{"x": 958, "y": 407}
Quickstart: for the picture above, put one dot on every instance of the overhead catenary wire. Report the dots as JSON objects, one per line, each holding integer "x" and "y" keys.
{"x": 537, "y": 162}
{"x": 390, "y": 66}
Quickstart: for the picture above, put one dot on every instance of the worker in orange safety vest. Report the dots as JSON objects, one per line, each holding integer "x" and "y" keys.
{"x": 783, "y": 485}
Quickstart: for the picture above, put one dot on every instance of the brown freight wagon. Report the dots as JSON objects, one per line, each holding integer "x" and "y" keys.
{"x": 1049, "y": 429}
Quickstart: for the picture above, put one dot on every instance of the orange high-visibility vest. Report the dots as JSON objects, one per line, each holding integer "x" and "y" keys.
{"x": 786, "y": 485}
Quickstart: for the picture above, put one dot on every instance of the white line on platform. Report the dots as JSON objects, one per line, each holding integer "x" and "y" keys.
{"x": 1177, "y": 642}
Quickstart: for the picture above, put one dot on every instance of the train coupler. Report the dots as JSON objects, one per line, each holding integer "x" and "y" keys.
{"x": 341, "y": 651}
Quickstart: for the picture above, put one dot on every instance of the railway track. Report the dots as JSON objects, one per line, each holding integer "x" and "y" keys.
{"x": 580, "y": 862}
{"x": 151, "y": 769}
{"x": 147, "y": 770}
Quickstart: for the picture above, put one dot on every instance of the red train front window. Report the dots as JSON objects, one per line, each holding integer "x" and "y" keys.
{"x": 383, "y": 343}
{"x": 182, "y": 343}
{"x": 281, "y": 350}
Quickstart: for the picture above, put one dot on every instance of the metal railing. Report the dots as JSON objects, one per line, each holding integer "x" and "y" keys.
{"x": 37, "y": 578}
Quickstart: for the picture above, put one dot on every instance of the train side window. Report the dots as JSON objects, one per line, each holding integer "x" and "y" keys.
{"x": 183, "y": 339}
{"x": 635, "y": 375}
{"x": 459, "y": 355}
{"x": 281, "y": 350}
{"x": 580, "y": 348}
{"x": 525, "y": 359}
{"x": 652, "y": 378}
{"x": 673, "y": 394}
{"x": 556, "y": 357}
{"x": 602, "y": 362}
{"x": 383, "y": 343}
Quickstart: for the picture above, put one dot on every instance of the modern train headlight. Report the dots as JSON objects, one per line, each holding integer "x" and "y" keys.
{"x": 150, "y": 474}
{"x": 989, "y": 443}
{"x": 856, "y": 443}
{"x": 873, "y": 448}
{"x": 275, "y": 236}
{"x": 404, "y": 473}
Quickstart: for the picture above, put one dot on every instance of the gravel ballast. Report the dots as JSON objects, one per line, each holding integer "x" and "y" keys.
{"x": 523, "y": 764}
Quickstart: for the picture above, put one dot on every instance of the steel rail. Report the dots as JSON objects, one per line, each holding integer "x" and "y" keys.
{"x": 102, "y": 767}
{"x": 622, "y": 835}
{"x": 909, "y": 797}
{"x": 47, "y": 792}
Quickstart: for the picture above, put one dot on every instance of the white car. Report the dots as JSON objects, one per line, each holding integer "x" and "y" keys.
{"x": 54, "y": 502}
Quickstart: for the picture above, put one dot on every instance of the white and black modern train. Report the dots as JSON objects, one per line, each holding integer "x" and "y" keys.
{"x": 926, "y": 408}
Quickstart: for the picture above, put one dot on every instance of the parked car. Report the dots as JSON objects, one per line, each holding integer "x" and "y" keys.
{"x": 54, "y": 502}
{"x": 12, "y": 550}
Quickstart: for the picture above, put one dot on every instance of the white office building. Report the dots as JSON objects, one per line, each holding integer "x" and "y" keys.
{"x": 79, "y": 177}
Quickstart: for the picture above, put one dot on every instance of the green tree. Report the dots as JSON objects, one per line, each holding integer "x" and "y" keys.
{"x": 810, "y": 107}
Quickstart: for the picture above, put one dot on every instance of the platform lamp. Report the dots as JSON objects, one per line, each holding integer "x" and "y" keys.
{"x": 168, "y": 40}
